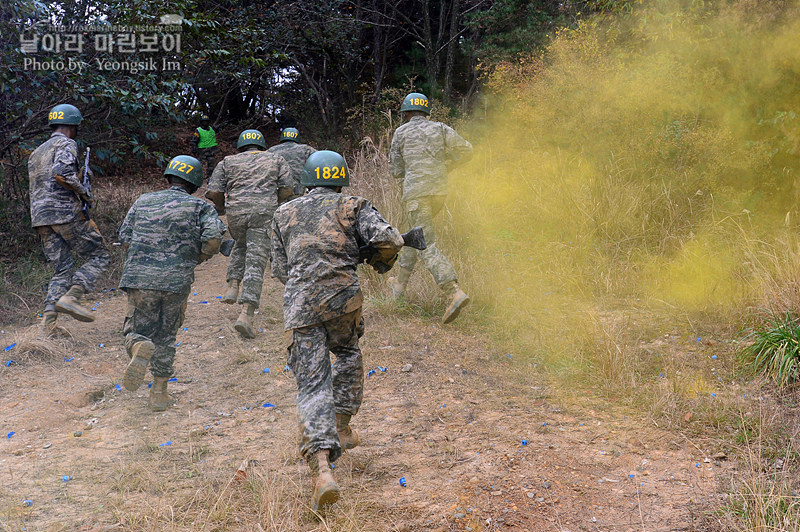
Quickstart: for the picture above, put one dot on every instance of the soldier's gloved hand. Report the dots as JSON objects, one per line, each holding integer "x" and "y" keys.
{"x": 88, "y": 200}
{"x": 382, "y": 266}
{"x": 203, "y": 258}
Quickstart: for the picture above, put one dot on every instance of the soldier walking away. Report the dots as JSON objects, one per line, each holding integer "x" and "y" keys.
{"x": 317, "y": 242}
{"x": 205, "y": 145}
{"x": 60, "y": 202}
{"x": 252, "y": 181}
{"x": 421, "y": 153}
{"x": 166, "y": 234}
{"x": 290, "y": 148}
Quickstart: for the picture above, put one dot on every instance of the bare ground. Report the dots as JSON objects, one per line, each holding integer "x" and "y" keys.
{"x": 472, "y": 430}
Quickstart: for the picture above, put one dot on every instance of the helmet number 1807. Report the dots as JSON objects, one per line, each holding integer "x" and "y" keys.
{"x": 330, "y": 173}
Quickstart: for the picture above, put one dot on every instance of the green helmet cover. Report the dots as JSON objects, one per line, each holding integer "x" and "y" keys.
{"x": 416, "y": 101}
{"x": 187, "y": 168}
{"x": 290, "y": 134}
{"x": 64, "y": 114}
{"x": 325, "y": 169}
{"x": 251, "y": 137}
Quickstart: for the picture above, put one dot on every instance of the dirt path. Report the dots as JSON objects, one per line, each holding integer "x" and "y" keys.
{"x": 472, "y": 432}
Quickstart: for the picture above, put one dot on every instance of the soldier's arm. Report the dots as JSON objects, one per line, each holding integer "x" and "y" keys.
{"x": 195, "y": 141}
{"x": 459, "y": 150}
{"x": 285, "y": 183}
{"x": 378, "y": 235}
{"x": 125, "y": 233}
{"x": 212, "y": 231}
{"x": 279, "y": 262}
{"x": 65, "y": 171}
{"x": 216, "y": 187}
{"x": 397, "y": 166}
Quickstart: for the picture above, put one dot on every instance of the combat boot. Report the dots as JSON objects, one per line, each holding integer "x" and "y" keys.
{"x": 233, "y": 292}
{"x": 326, "y": 490}
{"x": 244, "y": 325}
{"x": 159, "y": 398}
{"x": 458, "y": 300}
{"x": 348, "y": 438}
{"x": 399, "y": 282}
{"x": 141, "y": 352}
{"x": 49, "y": 318}
{"x": 70, "y": 303}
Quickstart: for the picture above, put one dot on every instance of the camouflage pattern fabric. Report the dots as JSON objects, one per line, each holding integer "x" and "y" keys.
{"x": 421, "y": 153}
{"x": 60, "y": 241}
{"x": 155, "y": 315}
{"x": 250, "y": 254}
{"x": 208, "y": 158}
{"x": 51, "y": 203}
{"x": 295, "y": 155}
{"x": 420, "y": 212}
{"x": 315, "y": 242}
{"x": 322, "y": 391}
{"x": 250, "y": 181}
{"x": 166, "y": 231}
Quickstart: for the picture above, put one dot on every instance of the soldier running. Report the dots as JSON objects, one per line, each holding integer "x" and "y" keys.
{"x": 421, "y": 153}
{"x": 204, "y": 145}
{"x": 166, "y": 235}
{"x": 316, "y": 243}
{"x": 58, "y": 197}
{"x": 296, "y": 155}
{"x": 252, "y": 180}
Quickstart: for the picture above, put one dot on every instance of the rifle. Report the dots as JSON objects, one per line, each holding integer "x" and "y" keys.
{"x": 87, "y": 184}
{"x": 413, "y": 239}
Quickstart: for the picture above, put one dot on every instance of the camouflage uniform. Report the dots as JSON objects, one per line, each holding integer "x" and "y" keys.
{"x": 251, "y": 180}
{"x": 315, "y": 250}
{"x": 208, "y": 158}
{"x": 420, "y": 153}
{"x": 165, "y": 232}
{"x": 295, "y": 155}
{"x": 56, "y": 215}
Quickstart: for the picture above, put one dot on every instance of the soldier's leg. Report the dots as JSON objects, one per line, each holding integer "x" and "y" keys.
{"x": 310, "y": 361}
{"x": 255, "y": 262}
{"x": 406, "y": 261}
{"x": 237, "y": 260}
{"x": 348, "y": 373}
{"x": 173, "y": 312}
{"x": 85, "y": 240}
{"x": 140, "y": 327}
{"x": 58, "y": 253}
{"x": 433, "y": 258}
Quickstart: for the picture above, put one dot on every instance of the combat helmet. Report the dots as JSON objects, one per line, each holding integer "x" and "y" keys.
{"x": 65, "y": 114}
{"x": 290, "y": 134}
{"x": 325, "y": 169}
{"x": 187, "y": 168}
{"x": 416, "y": 101}
{"x": 251, "y": 137}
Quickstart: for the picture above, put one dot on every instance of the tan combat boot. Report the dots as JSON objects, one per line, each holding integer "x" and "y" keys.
{"x": 49, "y": 318}
{"x": 458, "y": 300}
{"x": 348, "y": 438}
{"x": 70, "y": 303}
{"x": 233, "y": 292}
{"x": 159, "y": 398}
{"x": 244, "y": 324}
{"x": 400, "y": 282}
{"x": 326, "y": 490}
{"x": 141, "y": 352}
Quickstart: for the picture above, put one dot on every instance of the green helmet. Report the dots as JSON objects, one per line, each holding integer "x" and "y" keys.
{"x": 187, "y": 168}
{"x": 205, "y": 118}
{"x": 64, "y": 114}
{"x": 251, "y": 137}
{"x": 290, "y": 134}
{"x": 325, "y": 169}
{"x": 416, "y": 101}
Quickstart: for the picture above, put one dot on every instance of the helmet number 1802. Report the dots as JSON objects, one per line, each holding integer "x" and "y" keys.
{"x": 326, "y": 172}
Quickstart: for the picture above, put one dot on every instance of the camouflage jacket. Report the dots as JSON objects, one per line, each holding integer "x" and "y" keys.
{"x": 250, "y": 181}
{"x": 296, "y": 155}
{"x": 165, "y": 231}
{"x": 315, "y": 241}
{"x": 51, "y": 203}
{"x": 420, "y": 153}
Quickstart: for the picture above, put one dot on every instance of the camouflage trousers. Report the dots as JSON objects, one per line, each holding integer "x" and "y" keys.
{"x": 59, "y": 242}
{"x": 420, "y": 212}
{"x": 322, "y": 391}
{"x": 155, "y": 315}
{"x": 207, "y": 157}
{"x": 250, "y": 253}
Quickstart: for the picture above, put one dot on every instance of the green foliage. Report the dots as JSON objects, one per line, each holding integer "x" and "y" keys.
{"x": 775, "y": 352}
